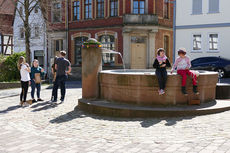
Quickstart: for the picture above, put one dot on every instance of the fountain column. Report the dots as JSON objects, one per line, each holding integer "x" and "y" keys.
{"x": 91, "y": 66}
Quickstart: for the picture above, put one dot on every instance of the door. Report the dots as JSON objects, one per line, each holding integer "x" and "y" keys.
{"x": 138, "y": 53}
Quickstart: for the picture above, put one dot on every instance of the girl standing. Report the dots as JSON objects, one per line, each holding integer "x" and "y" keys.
{"x": 183, "y": 64}
{"x": 25, "y": 78}
{"x": 36, "y": 69}
{"x": 160, "y": 64}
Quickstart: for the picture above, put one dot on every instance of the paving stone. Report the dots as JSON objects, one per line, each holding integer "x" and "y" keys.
{"x": 43, "y": 127}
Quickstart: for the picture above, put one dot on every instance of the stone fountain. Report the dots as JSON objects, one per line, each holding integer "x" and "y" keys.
{"x": 134, "y": 93}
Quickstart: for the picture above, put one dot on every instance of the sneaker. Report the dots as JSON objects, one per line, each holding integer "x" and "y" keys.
{"x": 39, "y": 99}
{"x": 162, "y": 91}
{"x": 34, "y": 101}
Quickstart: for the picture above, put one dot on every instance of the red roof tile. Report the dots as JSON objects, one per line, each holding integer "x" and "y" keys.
{"x": 7, "y": 7}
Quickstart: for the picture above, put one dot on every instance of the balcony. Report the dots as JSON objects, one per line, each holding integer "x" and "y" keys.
{"x": 140, "y": 19}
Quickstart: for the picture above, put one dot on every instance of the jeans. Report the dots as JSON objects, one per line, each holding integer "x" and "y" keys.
{"x": 60, "y": 81}
{"x": 184, "y": 73}
{"x": 33, "y": 86}
{"x": 25, "y": 86}
{"x": 162, "y": 77}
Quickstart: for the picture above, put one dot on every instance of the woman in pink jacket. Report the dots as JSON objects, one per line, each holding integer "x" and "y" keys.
{"x": 183, "y": 64}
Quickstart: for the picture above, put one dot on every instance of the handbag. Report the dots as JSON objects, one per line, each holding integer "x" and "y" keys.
{"x": 37, "y": 78}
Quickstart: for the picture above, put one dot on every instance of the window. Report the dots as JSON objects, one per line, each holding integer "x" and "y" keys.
{"x": 213, "y": 42}
{"x": 56, "y": 12}
{"x": 36, "y": 32}
{"x": 20, "y": 10}
{"x": 22, "y": 33}
{"x": 36, "y": 9}
{"x": 76, "y": 10}
{"x": 139, "y": 6}
{"x": 7, "y": 44}
{"x": 100, "y": 8}
{"x": 88, "y": 9}
{"x": 108, "y": 42}
{"x": 196, "y": 42}
{"x": 166, "y": 45}
{"x": 58, "y": 45}
{"x": 78, "y": 48}
{"x": 197, "y": 7}
{"x": 113, "y": 8}
{"x": 166, "y": 9}
{"x": 213, "y": 6}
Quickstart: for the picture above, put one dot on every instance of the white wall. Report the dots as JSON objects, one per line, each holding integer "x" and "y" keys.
{"x": 36, "y": 43}
{"x": 184, "y": 13}
{"x": 184, "y": 38}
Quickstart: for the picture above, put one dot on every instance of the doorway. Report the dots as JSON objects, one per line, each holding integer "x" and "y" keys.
{"x": 138, "y": 52}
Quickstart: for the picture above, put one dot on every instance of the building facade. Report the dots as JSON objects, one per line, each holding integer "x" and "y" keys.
{"x": 38, "y": 40}
{"x": 135, "y": 28}
{"x": 203, "y": 27}
{"x": 6, "y": 27}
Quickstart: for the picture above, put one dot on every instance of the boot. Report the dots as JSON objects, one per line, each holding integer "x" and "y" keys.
{"x": 195, "y": 90}
{"x": 183, "y": 89}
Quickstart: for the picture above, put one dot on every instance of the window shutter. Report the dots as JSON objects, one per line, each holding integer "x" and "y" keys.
{"x": 213, "y": 6}
{"x": 197, "y": 7}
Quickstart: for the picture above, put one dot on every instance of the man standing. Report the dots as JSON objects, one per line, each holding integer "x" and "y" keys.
{"x": 63, "y": 67}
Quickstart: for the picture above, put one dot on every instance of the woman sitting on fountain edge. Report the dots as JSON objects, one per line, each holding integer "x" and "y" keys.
{"x": 160, "y": 64}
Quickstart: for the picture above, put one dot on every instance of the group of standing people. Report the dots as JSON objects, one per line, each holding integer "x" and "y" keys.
{"x": 182, "y": 65}
{"x": 32, "y": 76}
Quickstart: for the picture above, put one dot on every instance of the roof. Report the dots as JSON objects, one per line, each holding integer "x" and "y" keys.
{"x": 7, "y": 7}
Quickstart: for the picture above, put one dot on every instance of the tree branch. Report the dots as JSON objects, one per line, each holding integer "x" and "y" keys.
{"x": 32, "y": 8}
{"x": 16, "y": 8}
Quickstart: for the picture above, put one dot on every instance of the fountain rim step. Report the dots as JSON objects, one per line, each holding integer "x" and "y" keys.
{"x": 114, "y": 109}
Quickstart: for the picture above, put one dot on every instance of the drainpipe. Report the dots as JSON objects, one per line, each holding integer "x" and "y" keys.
{"x": 174, "y": 30}
{"x": 67, "y": 28}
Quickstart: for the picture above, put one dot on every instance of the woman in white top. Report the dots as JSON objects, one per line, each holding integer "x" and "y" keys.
{"x": 25, "y": 78}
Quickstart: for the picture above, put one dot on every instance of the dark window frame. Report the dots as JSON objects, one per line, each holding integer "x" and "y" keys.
{"x": 113, "y": 8}
{"x": 139, "y": 9}
{"x": 166, "y": 9}
{"x": 101, "y": 9}
{"x": 56, "y": 12}
{"x": 88, "y": 9}
{"x": 76, "y": 10}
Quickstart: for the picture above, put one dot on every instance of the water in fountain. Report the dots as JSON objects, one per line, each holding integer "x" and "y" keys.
{"x": 114, "y": 52}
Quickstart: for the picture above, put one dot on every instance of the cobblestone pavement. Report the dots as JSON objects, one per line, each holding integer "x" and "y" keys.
{"x": 59, "y": 129}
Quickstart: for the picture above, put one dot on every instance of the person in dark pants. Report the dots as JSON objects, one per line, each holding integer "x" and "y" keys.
{"x": 160, "y": 64}
{"x": 54, "y": 72}
{"x": 25, "y": 79}
{"x": 63, "y": 67}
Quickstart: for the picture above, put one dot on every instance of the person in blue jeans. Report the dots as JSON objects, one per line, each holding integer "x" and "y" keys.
{"x": 63, "y": 68}
{"x": 35, "y": 69}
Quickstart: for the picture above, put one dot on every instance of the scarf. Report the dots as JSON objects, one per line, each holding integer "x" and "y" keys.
{"x": 161, "y": 59}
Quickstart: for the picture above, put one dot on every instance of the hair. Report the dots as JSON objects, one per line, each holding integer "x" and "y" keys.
{"x": 63, "y": 53}
{"x": 160, "y": 50}
{"x": 35, "y": 60}
{"x": 182, "y": 51}
{"x": 20, "y": 61}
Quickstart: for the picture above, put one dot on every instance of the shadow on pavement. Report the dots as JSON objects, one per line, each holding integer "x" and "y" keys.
{"x": 11, "y": 108}
{"x": 69, "y": 85}
{"x": 46, "y": 105}
{"x": 144, "y": 122}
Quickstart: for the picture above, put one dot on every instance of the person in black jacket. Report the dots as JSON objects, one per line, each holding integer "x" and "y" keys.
{"x": 160, "y": 64}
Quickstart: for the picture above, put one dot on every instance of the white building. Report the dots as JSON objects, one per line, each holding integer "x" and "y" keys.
{"x": 38, "y": 41}
{"x": 203, "y": 27}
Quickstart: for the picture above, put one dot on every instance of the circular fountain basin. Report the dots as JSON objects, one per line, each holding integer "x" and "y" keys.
{"x": 141, "y": 87}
